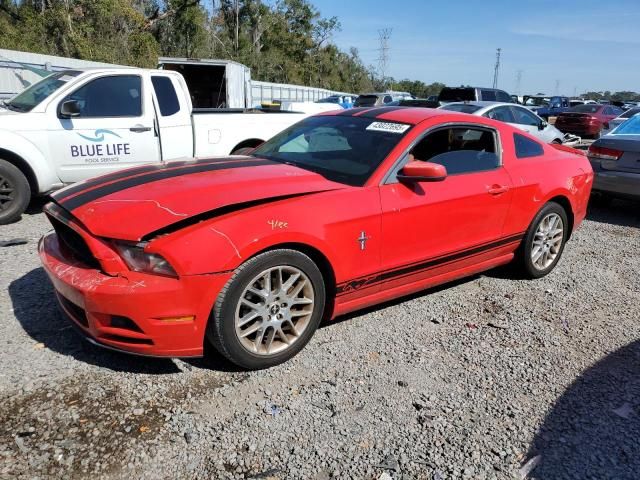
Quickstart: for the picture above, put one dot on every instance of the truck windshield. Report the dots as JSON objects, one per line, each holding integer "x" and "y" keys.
{"x": 341, "y": 148}
{"x": 36, "y": 93}
{"x": 537, "y": 102}
{"x": 457, "y": 94}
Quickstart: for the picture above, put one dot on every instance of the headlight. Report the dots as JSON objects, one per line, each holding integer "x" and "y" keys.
{"x": 138, "y": 260}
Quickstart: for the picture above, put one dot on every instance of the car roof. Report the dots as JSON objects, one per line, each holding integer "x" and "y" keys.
{"x": 411, "y": 115}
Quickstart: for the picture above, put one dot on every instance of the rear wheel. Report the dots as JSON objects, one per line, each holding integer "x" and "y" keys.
{"x": 544, "y": 241}
{"x": 15, "y": 192}
{"x": 269, "y": 309}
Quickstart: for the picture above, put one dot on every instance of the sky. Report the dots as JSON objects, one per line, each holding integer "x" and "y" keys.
{"x": 560, "y": 46}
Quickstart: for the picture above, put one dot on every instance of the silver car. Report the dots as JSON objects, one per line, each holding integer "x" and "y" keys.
{"x": 615, "y": 159}
{"x": 516, "y": 115}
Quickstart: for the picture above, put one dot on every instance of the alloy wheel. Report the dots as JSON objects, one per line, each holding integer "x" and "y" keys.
{"x": 547, "y": 241}
{"x": 274, "y": 310}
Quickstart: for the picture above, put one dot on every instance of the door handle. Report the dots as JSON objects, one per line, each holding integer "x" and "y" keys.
{"x": 140, "y": 128}
{"x": 497, "y": 189}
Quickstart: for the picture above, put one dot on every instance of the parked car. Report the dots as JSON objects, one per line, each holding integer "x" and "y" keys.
{"x": 587, "y": 120}
{"x": 77, "y": 124}
{"x": 546, "y": 106}
{"x": 380, "y": 99}
{"x": 345, "y": 101}
{"x": 516, "y": 115}
{"x": 620, "y": 119}
{"x": 472, "y": 94}
{"x": 414, "y": 102}
{"x": 615, "y": 159}
{"x": 252, "y": 252}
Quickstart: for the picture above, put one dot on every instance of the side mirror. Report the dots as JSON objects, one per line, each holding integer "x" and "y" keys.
{"x": 542, "y": 125}
{"x": 418, "y": 171}
{"x": 69, "y": 109}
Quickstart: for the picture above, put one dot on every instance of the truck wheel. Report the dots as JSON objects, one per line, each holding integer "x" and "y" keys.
{"x": 544, "y": 241}
{"x": 269, "y": 309}
{"x": 15, "y": 192}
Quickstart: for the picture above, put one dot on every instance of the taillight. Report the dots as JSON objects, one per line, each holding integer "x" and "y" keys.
{"x": 603, "y": 153}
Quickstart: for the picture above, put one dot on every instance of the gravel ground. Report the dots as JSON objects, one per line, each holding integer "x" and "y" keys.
{"x": 487, "y": 378}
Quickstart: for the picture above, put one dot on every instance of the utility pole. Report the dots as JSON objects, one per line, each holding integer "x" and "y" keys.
{"x": 497, "y": 68}
{"x": 383, "y": 50}
{"x": 518, "y": 81}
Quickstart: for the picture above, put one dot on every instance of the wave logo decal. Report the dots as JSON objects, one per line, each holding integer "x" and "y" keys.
{"x": 99, "y": 135}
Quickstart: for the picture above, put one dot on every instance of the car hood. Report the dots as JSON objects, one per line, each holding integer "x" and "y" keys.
{"x": 135, "y": 203}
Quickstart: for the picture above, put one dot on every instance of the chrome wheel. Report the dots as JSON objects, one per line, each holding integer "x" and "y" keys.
{"x": 274, "y": 310}
{"x": 547, "y": 241}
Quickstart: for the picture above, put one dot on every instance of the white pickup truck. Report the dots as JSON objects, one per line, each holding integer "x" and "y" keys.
{"x": 77, "y": 124}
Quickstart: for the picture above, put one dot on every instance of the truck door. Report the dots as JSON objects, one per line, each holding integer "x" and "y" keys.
{"x": 113, "y": 128}
{"x": 173, "y": 116}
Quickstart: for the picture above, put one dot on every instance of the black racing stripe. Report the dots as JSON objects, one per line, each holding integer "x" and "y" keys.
{"x": 377, "y": 112}
{"x": 99, "y": 192}
{"x": 119, "y": 175}
{"x": 410, "y": 269}
{"x": 350, "y": 112}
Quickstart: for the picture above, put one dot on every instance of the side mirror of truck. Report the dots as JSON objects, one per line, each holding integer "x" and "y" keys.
{"x": 69, "y": 109}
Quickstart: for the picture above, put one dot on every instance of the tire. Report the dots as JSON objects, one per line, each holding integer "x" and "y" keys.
{"x": 15, "y": 193}
{"x": 546, "y": 262}
{"x": 256, "y": 343}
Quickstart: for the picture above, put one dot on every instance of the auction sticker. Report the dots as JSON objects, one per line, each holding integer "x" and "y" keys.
{"x": 389, "y": 127}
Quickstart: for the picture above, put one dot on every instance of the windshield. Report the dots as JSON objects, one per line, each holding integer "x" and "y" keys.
{"x": 537, "y": 102}
{"x": 630, "y": 113}
{"x": 461, "y": 107}
{"x": 341, "y": 148}
{"x": 36, "y": 93}
{"x": 457, "y": 94}
{"x": 630, "y": 127}
{"x": 586, "y": 108}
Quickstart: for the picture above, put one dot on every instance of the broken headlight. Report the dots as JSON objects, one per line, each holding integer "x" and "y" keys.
{"x": 138, "y": 260}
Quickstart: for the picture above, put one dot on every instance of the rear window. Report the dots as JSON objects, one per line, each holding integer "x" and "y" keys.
{"x": 461, "y": 107}
{"x": 461, "y": 94}
{"x": 488, "y": 95}
{"x": 366, "y": 100}
{"x": 526, "y": 148}
{"x": 586, "y": 108}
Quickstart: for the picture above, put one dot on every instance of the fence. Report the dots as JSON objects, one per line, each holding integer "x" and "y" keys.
{"x": 267, "y": 92}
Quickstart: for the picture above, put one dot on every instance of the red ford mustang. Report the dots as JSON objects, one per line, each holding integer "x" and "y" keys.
{"x": 341, "y": 211}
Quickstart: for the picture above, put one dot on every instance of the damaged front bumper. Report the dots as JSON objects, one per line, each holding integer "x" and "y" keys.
{"x": 132, "y": 312}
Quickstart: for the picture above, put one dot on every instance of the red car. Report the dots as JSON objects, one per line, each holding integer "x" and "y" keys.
{"x": 587, "y": 120}
{"x": 339, "y": 212}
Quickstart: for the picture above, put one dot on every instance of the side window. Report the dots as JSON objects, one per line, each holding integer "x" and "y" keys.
{"x": 502, "y": 114}
{"x": 387, "y": 99}
{"x": 503, "y": 97}
{"x": 617, "y": 111}
{"x": 166, "y": 95}
{"x": 525, "y": 147}
{"x": 459, "y": 149}
{"x": 114, "y": 96}
{"x": 607, "y": 111}
{"x": 488, "y": 95}
{"x": 525, "y": 117}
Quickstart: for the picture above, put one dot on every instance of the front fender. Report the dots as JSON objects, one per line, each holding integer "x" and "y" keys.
{"x": 43, "y": 169}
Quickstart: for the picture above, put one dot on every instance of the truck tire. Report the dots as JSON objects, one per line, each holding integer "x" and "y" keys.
{"x": 15, "y": 192}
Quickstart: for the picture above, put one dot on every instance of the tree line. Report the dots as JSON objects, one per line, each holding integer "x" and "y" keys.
{"x": 286, "y": 41}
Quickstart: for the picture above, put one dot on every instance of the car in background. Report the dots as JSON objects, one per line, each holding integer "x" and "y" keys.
{"x": 345, "y": 101}
{"x": 380, "y": 99}
{"x": 615, "y": 159}
{"x": 546, "y": 106}
{"x": 623, "y": 117}
{"x": 472, "y": 94}
{"x": 414, "y": 102}
{"x": 515, "y": 115}
{"x": 587, "y": 120}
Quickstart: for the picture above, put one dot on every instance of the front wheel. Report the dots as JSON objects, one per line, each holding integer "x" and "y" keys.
{"x": 544, "y": 241}
{"x": 15, "y": 192}
{"x": 269, "y": 309}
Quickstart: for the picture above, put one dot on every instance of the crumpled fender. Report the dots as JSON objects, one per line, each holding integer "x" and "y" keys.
{"x": 43, "y": 169}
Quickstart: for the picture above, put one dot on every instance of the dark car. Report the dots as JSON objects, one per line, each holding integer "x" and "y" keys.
{"x": 615, "y": 159}
{"x": 587, "y": 120}
{"x": 472, "y": 94}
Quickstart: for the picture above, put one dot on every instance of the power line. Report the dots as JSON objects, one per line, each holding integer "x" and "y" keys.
{"x": 383, "y": 50}
{"x": 497, "y": 68}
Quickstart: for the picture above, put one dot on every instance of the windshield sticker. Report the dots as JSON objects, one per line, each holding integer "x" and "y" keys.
{"x": 388, "y": 127}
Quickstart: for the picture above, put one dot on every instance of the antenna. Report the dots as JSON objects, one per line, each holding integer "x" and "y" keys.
{"x": 519, "y": 81}
{"x": 383, "y": 59}
{"x": 497, "y": 69}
